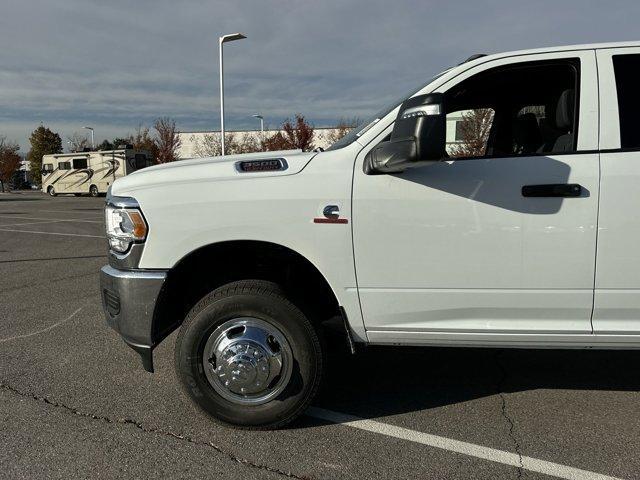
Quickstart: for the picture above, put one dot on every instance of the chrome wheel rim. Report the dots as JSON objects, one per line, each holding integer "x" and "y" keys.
{"x": 247, "y": 361}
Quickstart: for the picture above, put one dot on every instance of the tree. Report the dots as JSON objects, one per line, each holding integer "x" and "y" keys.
{"x": 114, "y": 144}
{"x": 77, "y": 142}
{"x": 275, "y": 142}
{"x": 43, "y": 142}
{"x": 210, "y": 146}
{"x": 298, "y": 135}
{"x": 105, "y": 145}
{"x": 475, "y": 127}
{"x": 167, "y": 140}
{"x": 9, "y": 161}
{"x": 143, "y": 140}
{"x": 343, "y": 127}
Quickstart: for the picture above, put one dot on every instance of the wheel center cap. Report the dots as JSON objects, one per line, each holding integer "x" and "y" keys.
{"x": 244, "y": 368}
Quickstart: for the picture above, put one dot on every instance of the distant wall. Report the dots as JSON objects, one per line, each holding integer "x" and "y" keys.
{"x": 189, "y": 140}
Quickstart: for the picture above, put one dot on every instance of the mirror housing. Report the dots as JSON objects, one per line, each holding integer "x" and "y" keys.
{"x": 418, "y": 137}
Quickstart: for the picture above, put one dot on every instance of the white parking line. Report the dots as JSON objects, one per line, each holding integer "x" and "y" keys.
{"x": 471, "y": 449}
{"x": 82, "y": 220}
{"x": 3, "y": 225}
{"x": 17, "y": 337}
{"x": 52, "y": 233}
{"x": 76, "y": 212}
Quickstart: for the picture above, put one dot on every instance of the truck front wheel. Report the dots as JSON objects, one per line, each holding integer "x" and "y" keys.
{"x": 248, "y": 356}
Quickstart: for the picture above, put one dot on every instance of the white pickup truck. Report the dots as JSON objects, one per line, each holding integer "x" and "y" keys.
{"x": 516, "y": 226}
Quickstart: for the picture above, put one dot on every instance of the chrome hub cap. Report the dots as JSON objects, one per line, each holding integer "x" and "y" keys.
{"x": 247, "y": 361}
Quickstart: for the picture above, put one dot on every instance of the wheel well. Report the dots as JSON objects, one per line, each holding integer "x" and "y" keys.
{"x": 215, "y": 265}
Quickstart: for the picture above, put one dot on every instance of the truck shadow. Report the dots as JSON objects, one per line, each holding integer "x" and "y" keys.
{"x": 496, "y": 181}
{"x": 384, "y": 381}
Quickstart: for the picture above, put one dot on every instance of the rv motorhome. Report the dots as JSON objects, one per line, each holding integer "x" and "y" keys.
{"x": 89, "y": 172}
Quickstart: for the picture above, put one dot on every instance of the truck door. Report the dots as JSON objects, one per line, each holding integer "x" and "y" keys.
{"x": 501, "y": 238}
{"x": 617, "y": 294}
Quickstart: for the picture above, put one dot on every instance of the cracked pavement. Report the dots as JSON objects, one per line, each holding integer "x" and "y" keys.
{"x": 75, "y": 402}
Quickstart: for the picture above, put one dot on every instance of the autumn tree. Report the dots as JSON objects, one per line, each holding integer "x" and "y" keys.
{"x": 43, "y": 142}
{"x": 167, "y": 140}
{"x": 209, "y": 145}
{"x": 299, "y": 134}
{"x": 77, "y": 142}
{"x": 343, "y": 127}
{"x": 475, "y": 127}
{"x": 9, "y": 161}
{"x": 275, "y": 142}
{"x": 142, "y": 139}
{"x": 294, "y": 135}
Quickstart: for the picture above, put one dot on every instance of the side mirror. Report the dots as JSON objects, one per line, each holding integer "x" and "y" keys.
{"x": 418, "y": 137}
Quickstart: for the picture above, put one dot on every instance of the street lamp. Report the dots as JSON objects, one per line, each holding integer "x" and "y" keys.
{"x": 93, "y": 145}
{"x": 222, "y": 40}
{"x": 261, "y": 128}
{"x": 261, "y": 122}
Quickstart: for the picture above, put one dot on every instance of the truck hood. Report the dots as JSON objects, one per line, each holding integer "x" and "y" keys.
{"x": 210, "y": 168}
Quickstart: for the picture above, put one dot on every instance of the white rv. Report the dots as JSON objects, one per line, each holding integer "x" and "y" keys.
{"x": 89, "y": 172}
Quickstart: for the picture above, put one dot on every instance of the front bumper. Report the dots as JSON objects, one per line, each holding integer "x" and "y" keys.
{"x": 128, "y": 301}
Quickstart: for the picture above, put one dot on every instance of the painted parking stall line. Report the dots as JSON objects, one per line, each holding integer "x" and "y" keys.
{"x": 80, "y": 220}
{"x": 52, "y": 233}
{"x": 44, "y": 330}
{"x": 465, "y": 448}
{"x": 4, "y": 225}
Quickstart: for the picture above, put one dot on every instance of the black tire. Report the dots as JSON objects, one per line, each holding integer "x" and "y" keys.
{"x": 52, "y": 191}
{"x": 93, "y": 191}
{"x": 265, "y": 301}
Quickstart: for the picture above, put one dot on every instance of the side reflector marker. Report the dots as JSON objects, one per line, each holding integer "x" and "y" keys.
{"x": 330, "y": 220}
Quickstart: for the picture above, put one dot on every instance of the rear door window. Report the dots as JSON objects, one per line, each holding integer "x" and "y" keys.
{"x": 627, "y": 71}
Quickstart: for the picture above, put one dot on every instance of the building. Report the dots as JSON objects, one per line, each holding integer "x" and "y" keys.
{"x": 202, "y": 144}
{"x": 207, "y": 143}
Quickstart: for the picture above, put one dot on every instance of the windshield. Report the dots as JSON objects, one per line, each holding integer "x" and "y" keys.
{"x": 358, "y": 131}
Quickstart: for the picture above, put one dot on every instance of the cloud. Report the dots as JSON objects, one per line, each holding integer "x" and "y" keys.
{"x": 118, "y": 63}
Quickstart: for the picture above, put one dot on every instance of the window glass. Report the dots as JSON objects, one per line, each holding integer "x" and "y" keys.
{"x": 79, "y": 163}
{"x": 523, "y": 109}
{"x": 47, "y": 167}
{"x": 627, "y": 71}
{"x": 64, "y": 165}
{"x": 470, "y": 130}
{"x": 141, "y": 160}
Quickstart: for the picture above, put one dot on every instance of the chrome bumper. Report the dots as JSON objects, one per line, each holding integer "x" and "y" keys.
{"x": 128, "y": 301}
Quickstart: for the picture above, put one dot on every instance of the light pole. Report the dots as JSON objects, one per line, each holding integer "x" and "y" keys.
{"x": 93, "y": 145}
{"x": 261, "y": 122}
{"x": 224, "y": 39}
{"x": 261, "y": 128}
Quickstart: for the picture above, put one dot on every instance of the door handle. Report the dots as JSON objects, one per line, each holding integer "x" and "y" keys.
{"x": 552, "y": 190}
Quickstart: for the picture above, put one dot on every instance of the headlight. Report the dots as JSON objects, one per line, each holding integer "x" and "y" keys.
{"x": 124, "y": 227}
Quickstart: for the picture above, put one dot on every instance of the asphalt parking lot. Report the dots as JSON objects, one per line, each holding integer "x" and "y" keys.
{"x": 76, "y": 402}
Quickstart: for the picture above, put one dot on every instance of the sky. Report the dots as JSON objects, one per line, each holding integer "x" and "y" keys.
{"x": 114, "y": 64}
